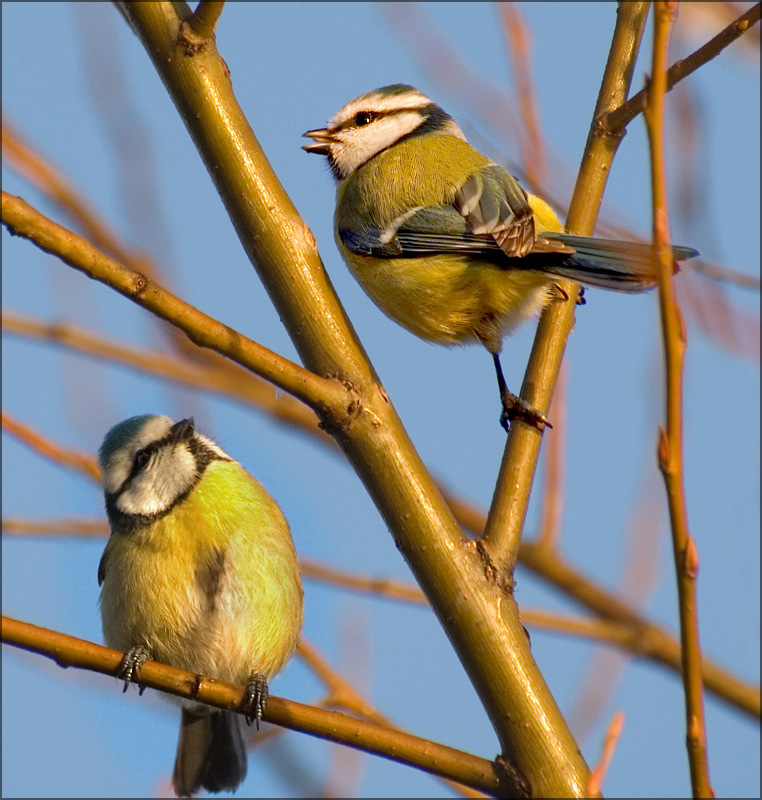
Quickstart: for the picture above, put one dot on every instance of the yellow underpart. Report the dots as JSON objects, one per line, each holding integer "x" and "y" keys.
{"x": 156, "y": 587}
{"x": 451, "y": 299}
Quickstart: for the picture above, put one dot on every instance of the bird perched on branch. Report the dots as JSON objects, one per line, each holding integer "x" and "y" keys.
{"x": 199, "y": 573}
{"x": 445, "y": 241}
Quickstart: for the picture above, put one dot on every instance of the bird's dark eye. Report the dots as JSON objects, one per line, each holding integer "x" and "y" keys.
{"x": 363, "y": 118}
{"x": 142, "y": 457}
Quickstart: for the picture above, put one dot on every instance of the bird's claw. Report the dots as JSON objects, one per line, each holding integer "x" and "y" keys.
{"x": 129, "y": 670}
{"x": 514, "y": 408}
{"x": 256, "y": 698}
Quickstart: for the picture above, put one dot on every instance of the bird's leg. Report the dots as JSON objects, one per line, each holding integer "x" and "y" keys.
{"x": 131, "y": 664}
{"x": 256, "y": 698}
{"x": 514, "y": 408}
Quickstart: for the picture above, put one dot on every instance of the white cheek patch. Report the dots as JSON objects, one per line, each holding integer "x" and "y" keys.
{"x": 170, "y": 473}
{"x": 118, "y": 468}
{"x": 138, "y": 499}
{"x": 355, "y": 146}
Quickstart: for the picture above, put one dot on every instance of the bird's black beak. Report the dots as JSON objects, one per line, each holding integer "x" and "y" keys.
{"x": 183, "y": 430}
{"x": 322, "y": 141}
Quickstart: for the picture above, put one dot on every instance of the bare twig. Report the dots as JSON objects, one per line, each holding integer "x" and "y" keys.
{"x": 205, "y": 17}
{"x": 83, "y": 463}
{"x": 215, "y": 375}
{"x": 617, "y": 121}
{"x": 437, "y": 759}
{"x": 671, "y": 437}
{"x": 609, "y": 746}
{"x": 22, "y": 220}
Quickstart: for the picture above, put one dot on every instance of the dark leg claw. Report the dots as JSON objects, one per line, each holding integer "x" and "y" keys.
{"x": 561, "y": 292}
{"x": 129, "y": 669}
{"x": 514, "y": 408}
{"x": 256, "y": 698}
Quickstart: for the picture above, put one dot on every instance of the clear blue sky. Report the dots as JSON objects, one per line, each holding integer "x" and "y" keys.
{"x": 293, "y": 65}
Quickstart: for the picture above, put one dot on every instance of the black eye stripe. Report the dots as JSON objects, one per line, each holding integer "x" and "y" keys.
{"x": 142, "y": 457}
{"x": 429, "y": 114}
{"x": 203, "y": 454}
{"x": 363, "y": 118}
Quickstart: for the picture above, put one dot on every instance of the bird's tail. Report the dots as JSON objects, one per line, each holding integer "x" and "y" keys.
{"x": 210, "y": 754}
{"x": 608, "y": 263}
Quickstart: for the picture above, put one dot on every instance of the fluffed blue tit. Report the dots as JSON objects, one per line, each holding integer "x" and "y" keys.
{"x": 445, "y": 241}
{"x": 200, "y": 573}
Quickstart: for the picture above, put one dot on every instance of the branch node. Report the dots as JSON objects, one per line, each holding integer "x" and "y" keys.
{"x": 139, "y": 284}
{"x": 605, "y": 132}
{"x": 334, "y": 423}
{"x": 691, "y": 559}
{"x": 664, "y": 451}
{"x": 492, "y": 572}
{"x": 190, "y": 41}
{"x": 512, "y": 779}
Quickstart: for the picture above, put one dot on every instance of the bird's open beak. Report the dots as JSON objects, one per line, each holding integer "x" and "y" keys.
{"x": 322, "y": 141}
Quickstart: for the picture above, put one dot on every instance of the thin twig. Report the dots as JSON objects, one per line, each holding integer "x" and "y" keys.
{"x": 598, "y": 773}
{"x": 616, "y": 121}
{"x": 46, "y": 178}
{"x": 215, "y": 374}
{"x": 618, "y": 624}
{"x": 23, "y": 220}
{"x": 518, "y": 36}
{"x": 342, "y": 694}
{"x": 205, "y": 18}
{"x": 68, "y": 651}
{"x": 671, "y": 438}
{"x": 83, "y": 463}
